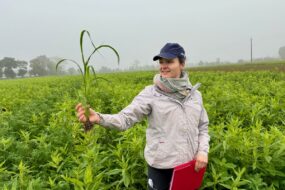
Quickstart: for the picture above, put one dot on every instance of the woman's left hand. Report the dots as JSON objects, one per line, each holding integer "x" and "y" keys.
{"x": 201, "y": 161}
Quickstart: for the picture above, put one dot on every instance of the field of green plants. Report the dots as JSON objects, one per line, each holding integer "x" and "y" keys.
{"x": 43, "y": 146}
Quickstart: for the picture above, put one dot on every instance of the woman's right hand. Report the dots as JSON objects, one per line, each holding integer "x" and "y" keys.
{"x": 93, "y": 117}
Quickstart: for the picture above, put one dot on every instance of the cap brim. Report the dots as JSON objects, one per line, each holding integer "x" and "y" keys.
{"x": 164, "y": 55}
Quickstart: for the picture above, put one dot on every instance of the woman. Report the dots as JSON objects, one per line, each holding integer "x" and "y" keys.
{"x": 177, "y": 121}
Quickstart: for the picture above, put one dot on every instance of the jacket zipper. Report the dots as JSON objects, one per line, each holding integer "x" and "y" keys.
{"x": 187, "y": 120}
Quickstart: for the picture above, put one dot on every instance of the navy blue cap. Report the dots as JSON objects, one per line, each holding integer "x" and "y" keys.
{"x": 170, "y": 51}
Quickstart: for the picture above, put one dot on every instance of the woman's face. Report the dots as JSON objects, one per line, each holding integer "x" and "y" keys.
{"x": 170, "y": 68}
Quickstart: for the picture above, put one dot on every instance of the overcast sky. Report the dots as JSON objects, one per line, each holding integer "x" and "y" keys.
{"x": 138, "y": 29}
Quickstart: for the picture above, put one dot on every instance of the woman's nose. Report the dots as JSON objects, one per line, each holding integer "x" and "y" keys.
{"x": 163, "y": 65}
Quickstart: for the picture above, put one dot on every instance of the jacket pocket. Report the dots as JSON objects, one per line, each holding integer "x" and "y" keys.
{"x": 166, "y": 153}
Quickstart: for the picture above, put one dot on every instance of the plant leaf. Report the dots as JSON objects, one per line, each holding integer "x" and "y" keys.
{"x": 104, "y": 46}
{"x": 93, "y": 70}
{"x": 58, "y": 63}
{"x": 101, "y": 78}
{"x": 81, "y": 45}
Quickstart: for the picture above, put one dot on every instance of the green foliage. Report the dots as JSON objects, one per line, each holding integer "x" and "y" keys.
{"x": 88, "y": 73}
{"x": 42, "y": 145}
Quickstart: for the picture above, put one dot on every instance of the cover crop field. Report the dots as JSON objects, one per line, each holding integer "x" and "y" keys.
{"x": 43, "y": 146}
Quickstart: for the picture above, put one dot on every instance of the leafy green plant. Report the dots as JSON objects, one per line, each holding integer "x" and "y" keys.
{"x": 42, "y": 146}
{"x": 88, "y": 74}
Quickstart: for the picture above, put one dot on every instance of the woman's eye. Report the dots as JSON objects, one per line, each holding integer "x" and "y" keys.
{"x": 167, "y": 62}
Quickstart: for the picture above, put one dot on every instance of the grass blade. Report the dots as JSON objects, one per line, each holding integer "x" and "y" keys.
{"x": 105, "y": 46}
{"x": 63, "y": 60}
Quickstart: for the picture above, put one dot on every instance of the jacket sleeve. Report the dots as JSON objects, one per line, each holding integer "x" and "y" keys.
{"x": 133, "y": 113}
{"x": 203, "y": 137}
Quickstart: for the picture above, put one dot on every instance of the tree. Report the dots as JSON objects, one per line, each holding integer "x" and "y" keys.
{"x": 23, "y": 68}
{"x": 9, "y": 73}
{"x": 105, "y": 69}
{"x": 72, "y": 71}
{"x": 1, "y": 69}
{"x": 201, "y": 63}
{"x": 51, "y": 68}
{"x": 282, "y": 52}
{"x": 41, "y": 66}
{"x": 60, "y": 69}
{"x": 9, "y": 63}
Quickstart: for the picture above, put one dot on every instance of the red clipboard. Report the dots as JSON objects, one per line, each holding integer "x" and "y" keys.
{"x": 185, "y": 177}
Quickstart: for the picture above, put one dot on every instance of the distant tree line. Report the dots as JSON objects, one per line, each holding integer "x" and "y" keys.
{"x": 135, "y": 66}
{"x": 7, "y": 66}
{"x": 282, "y": 52}
{"x": 39, "y": 66}
{"x": 44, "y": 66}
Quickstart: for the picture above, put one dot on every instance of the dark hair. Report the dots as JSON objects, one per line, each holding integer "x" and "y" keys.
{"x": 182, "y": 60}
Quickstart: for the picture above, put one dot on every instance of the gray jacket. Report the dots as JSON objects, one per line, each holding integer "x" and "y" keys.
{"x": 176, "y": 130}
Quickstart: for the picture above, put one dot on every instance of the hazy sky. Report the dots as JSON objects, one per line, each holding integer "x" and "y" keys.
{"x": 138, "y": 29}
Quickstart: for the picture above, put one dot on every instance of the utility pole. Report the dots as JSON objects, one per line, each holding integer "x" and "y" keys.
{"x": 251, "y": 50}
